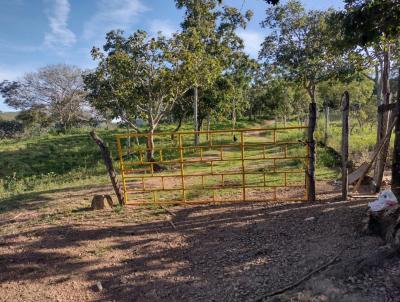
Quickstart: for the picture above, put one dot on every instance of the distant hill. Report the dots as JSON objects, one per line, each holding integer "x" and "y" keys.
{"x": 8, "y": 116}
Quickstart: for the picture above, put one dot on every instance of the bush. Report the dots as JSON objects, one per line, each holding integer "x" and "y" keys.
{"x": 10, "y": 129}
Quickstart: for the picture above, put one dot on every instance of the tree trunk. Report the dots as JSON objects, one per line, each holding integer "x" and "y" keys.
{"x": 311, "y": 92}
{"x": 311, "y": 160}
{"x": 383, "y": 121}
{"x": 109, "y": 166}
{"x": 396, "y": 149}
{"x": 345, "y": 143}
{"x": 195, "y": 115}
{"x": 326, "y": 130}
{"x": 378, "y": 89}
{"x": 208, "y": 125}
{"x": 181, "y": 117}
{"x": 150, "y": 146}
{"x": 129, "y": 139}
{"x": 234, "y": 114}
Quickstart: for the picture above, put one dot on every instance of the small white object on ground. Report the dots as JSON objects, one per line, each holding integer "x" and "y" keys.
{"x": 99, "y": 286}
{"x": 309, "y": 218}
{"x": 385, "y": 200}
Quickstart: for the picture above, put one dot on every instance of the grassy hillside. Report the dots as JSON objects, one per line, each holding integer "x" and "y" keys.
{"x": 55, "y": 161}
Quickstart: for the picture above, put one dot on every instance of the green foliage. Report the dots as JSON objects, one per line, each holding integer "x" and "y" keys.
{"x": 54, "y": 89}
{"x": 10, "y": 129}
{"x": 301, "y": 46}
{"x": 34, "y": 120}
{"x": 136, "y": 77}
{"x": 366, "y": 21}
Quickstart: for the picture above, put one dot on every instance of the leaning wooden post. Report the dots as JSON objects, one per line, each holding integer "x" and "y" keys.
{"x": 345, "y": 143}
{"x": 105, "y": 153}
{"x": 311, "y": 145}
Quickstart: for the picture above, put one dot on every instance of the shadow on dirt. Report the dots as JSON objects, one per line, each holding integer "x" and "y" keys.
{"x": 208, "y": 253}
{"x": 38, "y": 200}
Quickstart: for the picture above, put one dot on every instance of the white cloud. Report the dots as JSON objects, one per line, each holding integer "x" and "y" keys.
{"x": 165, "y": 26}
{"x": 113, "y": 14}
{"x": 252, "y": 41}
{"x": 60, "y": 35}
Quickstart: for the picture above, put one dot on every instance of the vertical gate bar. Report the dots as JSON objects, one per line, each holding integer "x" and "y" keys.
{"x": 201, "y": 153}
{"x": 274, "y": 135}
{"x": 222, "y": 179}
{"x": 162, "y": 182}
{"x": 243, "y": 171}
{"x": 264, "y": 152}
{"x": 286, "y": 150}
{"x": 181, "y": 165}
{"x": 202, "y": 181}
{"x": 220, "y": 151}
{"x": 285, "y": 179}
{"x": 161, "y": 155}
{"x": 122, "y": 168}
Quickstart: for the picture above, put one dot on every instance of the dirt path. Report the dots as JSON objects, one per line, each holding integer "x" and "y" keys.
{"x": 208, "y": 253}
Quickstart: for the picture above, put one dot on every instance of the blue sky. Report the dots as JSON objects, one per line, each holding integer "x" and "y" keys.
{"x": 35, "y": 33}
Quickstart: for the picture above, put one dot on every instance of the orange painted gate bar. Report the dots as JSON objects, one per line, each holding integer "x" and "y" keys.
{"x": 248, "y": 165}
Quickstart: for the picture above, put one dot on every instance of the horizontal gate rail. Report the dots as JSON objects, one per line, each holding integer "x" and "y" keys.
{"x": 228, "y": 166}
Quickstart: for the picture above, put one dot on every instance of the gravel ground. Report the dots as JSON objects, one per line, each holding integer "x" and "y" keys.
{"x": 235, "y": 252}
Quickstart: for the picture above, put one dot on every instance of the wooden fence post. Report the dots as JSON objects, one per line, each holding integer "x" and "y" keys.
{"x": 382, "y": 157}
{"x": 311, "y": 145}
{"x": 109, "y": 166}
{"x": 396, "y": 150}
{"x": 345, "y": 143}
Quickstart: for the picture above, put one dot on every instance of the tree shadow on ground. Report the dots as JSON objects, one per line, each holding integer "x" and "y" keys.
{"x": 38, "y": 200}
{"x": 234, "y": 252}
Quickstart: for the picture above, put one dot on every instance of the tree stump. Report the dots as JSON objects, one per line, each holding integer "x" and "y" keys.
{"x": 385, "y": 223}
{"x": 101, "y": 202}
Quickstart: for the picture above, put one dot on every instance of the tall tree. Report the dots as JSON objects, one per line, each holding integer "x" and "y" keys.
{"x": 137, "y": 76}
{"x": 375, "y": 24}
{"x": 55, "y": 89}
{"x": 299, "y": 46}
{"x": 209, "y": 36}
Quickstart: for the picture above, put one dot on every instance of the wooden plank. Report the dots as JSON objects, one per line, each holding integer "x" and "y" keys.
{"x": 356, "y": 174}
{"x": 363, "y": 195}
{"x": 376, "y": 152}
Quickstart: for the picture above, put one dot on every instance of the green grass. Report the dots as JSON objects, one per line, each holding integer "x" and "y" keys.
{"x": 73, "y": 160}
{"x": 362, "y": 141}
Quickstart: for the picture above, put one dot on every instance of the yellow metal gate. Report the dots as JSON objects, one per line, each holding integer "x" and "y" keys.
{"x": 226, "y": 166}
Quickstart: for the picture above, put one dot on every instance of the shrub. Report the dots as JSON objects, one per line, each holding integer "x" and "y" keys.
{"x": 10, "y": 129}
